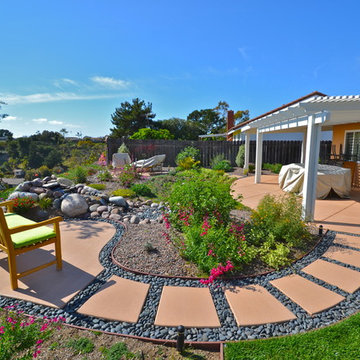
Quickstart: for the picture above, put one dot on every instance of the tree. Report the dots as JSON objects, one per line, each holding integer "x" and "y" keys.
{"x": 210, "y": 122}
{"x": 129, "y": 118}
{"x": 181, "y": 129}
{"x": 146, "y": 133}
{"x": 2, "y": 116}
{"x": 6, "y": 133}
{"x": 63, "y": 132}
{"x": 241, "y": 116}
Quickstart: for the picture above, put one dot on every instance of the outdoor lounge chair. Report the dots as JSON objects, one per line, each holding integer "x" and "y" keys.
{"x": 19, "y": 235}
{"x": 153, "y": 163}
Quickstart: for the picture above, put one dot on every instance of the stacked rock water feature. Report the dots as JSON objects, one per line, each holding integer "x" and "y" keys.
{"x": 79, "y": 200}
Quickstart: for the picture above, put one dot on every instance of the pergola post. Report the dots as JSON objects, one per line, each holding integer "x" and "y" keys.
{"x": 258, "y": 160}
{"x": 311, "y": 166}
{"x": 303, "y": 147}
{"x": 247, "y": 151}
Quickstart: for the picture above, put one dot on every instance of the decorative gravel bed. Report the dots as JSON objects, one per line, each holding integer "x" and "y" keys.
{"x": 228, "y": 330}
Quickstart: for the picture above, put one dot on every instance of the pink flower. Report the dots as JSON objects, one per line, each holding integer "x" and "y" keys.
{"x": 2, "y": 329}
{"x": 44, "y": 327}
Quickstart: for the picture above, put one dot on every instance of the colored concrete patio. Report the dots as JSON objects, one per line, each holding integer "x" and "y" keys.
{"x": 124, "y": 299}
{"x": 334, "y": 214}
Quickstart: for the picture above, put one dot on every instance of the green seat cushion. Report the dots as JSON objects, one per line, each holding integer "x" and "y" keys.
{"x": 28, "y": 237}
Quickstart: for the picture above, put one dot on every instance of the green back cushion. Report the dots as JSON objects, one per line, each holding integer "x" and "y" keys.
{"x": 28, "y": 237}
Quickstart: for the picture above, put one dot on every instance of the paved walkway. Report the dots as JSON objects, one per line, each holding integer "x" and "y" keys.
{"x": 320, "y": 285}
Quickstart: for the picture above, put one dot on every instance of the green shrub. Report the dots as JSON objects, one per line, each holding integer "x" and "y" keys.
{"x": 251, "y": 168}
{"x": 104, "y": 175}
{"x": 45, "y": 203}
{"x": 82, "y": 345}
{"x": 124, "y": 193}
{"x": 203, "y": 196}
{"x": 43, "y": 171}
{"x": 118, "y": 351}
{"x": 223, "y": 165}
{"x": 240, "y": 157}
{"x": 80, "y": 175}
{"x": 189, "y": 151}
{"x": 128, "y": 175}
{"x": 188, "y": 163}
{"x": 31, "y": 174}
{"x": 276, "y": 226}
{"x": 142, "y": 190}
{"x": 275, "y": 168}
{"x": 123, "y": 149}
{"x": 98, "y": 186}
{"x": 4, "y": 194}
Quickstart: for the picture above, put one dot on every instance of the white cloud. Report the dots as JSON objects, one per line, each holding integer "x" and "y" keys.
{"x": 55, "y": 122}
{"x": 12, "y": 99}
{"x": 40, "y": 120}
{"x": 9, "y": 118}
{"x": 65, "y": 81}
{"x": 243, "y": 53}
{"x": 110, "y": 82}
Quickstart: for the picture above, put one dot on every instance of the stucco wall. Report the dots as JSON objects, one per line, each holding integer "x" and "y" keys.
{"x": 338, "y": 138}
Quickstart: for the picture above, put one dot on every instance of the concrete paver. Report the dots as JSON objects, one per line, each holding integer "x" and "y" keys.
{"x": 348, "y": 240}
{"x": 337, "y": 275}
{"x": 311, "y": 297}
{"x": 187, "y": 306}
{"x": 254, "y": 305}
{"x": 346, "y": 256}
{"x": 119, "y": 299}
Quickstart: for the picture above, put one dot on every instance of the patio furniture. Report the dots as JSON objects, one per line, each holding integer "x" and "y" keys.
{"x": 19, "y": 235}
{"x": 154, "y": 163}
{"x": 291, "y": 179}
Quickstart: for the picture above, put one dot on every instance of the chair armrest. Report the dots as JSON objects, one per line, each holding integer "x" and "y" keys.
{"x": 9, "y": 204}
{"x": 21, "y": 228}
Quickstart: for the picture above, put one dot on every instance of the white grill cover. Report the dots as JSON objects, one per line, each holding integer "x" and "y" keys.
{"x": 291, "y": 179}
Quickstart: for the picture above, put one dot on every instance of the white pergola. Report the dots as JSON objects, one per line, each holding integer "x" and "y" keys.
{"x": 310, "y": 116}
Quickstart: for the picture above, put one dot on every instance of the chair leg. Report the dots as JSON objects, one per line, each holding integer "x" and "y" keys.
{"x": 13, "y": 272}
{"x": 58, "y": 253}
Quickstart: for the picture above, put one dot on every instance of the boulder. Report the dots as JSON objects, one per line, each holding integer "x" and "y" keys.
{"x": 74, "y": 205}
{"x": 134, "y": 219}
{"x": 37, "y": 182}
{"x": 51, "y": 185}
{"x": 94, "y": 214}
{"x": 102, "y": 208}
{"x": 119, "y": 201}
{"x": 23, "y": 194}
{"x": 24, "y": 187}
{"x": 115, "y": 217}
{"x": 37, "y": 190}
{"x": 65, "y": 182}
{"x": 94, "y": 207}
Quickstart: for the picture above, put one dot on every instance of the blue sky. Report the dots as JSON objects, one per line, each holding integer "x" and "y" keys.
{"x": 69, "y": 64}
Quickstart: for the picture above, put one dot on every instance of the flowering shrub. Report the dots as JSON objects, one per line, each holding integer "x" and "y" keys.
{"x": 22, "y": 205}
{"x": 102, "y": 160}
{"x": 128, "y": 175}
{"x": 19, "y": 333}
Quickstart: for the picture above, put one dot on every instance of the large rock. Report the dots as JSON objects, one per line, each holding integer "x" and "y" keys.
{"x": 74, "y": 205}
{"x": 24, "y": 187}
{"x": 65, "y": 182}
{"x": 119, "y": 201}
{"x": 22, "y": 195}
{"x": 120, "y": 159}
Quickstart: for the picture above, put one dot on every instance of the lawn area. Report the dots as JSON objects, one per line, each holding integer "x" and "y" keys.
{"x": 339, "y": 341}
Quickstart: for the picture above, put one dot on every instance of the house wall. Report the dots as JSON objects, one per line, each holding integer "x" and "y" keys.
{"x": 339, "y": 138}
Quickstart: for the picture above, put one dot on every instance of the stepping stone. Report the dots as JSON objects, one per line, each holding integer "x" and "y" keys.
{"x": 346, "y": 256}
{"x": 344, "y": 278}
{"x": 348, "y": 240}
{"x": 254, "y": 305}
{"x": 311, "y": 297}
{"x": 187, "y": 306}
{"x": 119, "y": 299}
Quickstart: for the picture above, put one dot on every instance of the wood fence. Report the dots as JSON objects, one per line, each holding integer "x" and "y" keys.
{"x": 283, "y": 152}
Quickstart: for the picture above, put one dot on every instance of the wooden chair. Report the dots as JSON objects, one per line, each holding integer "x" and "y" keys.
{"x": 19, "y": 235}
{"x": 352, "y": 166}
